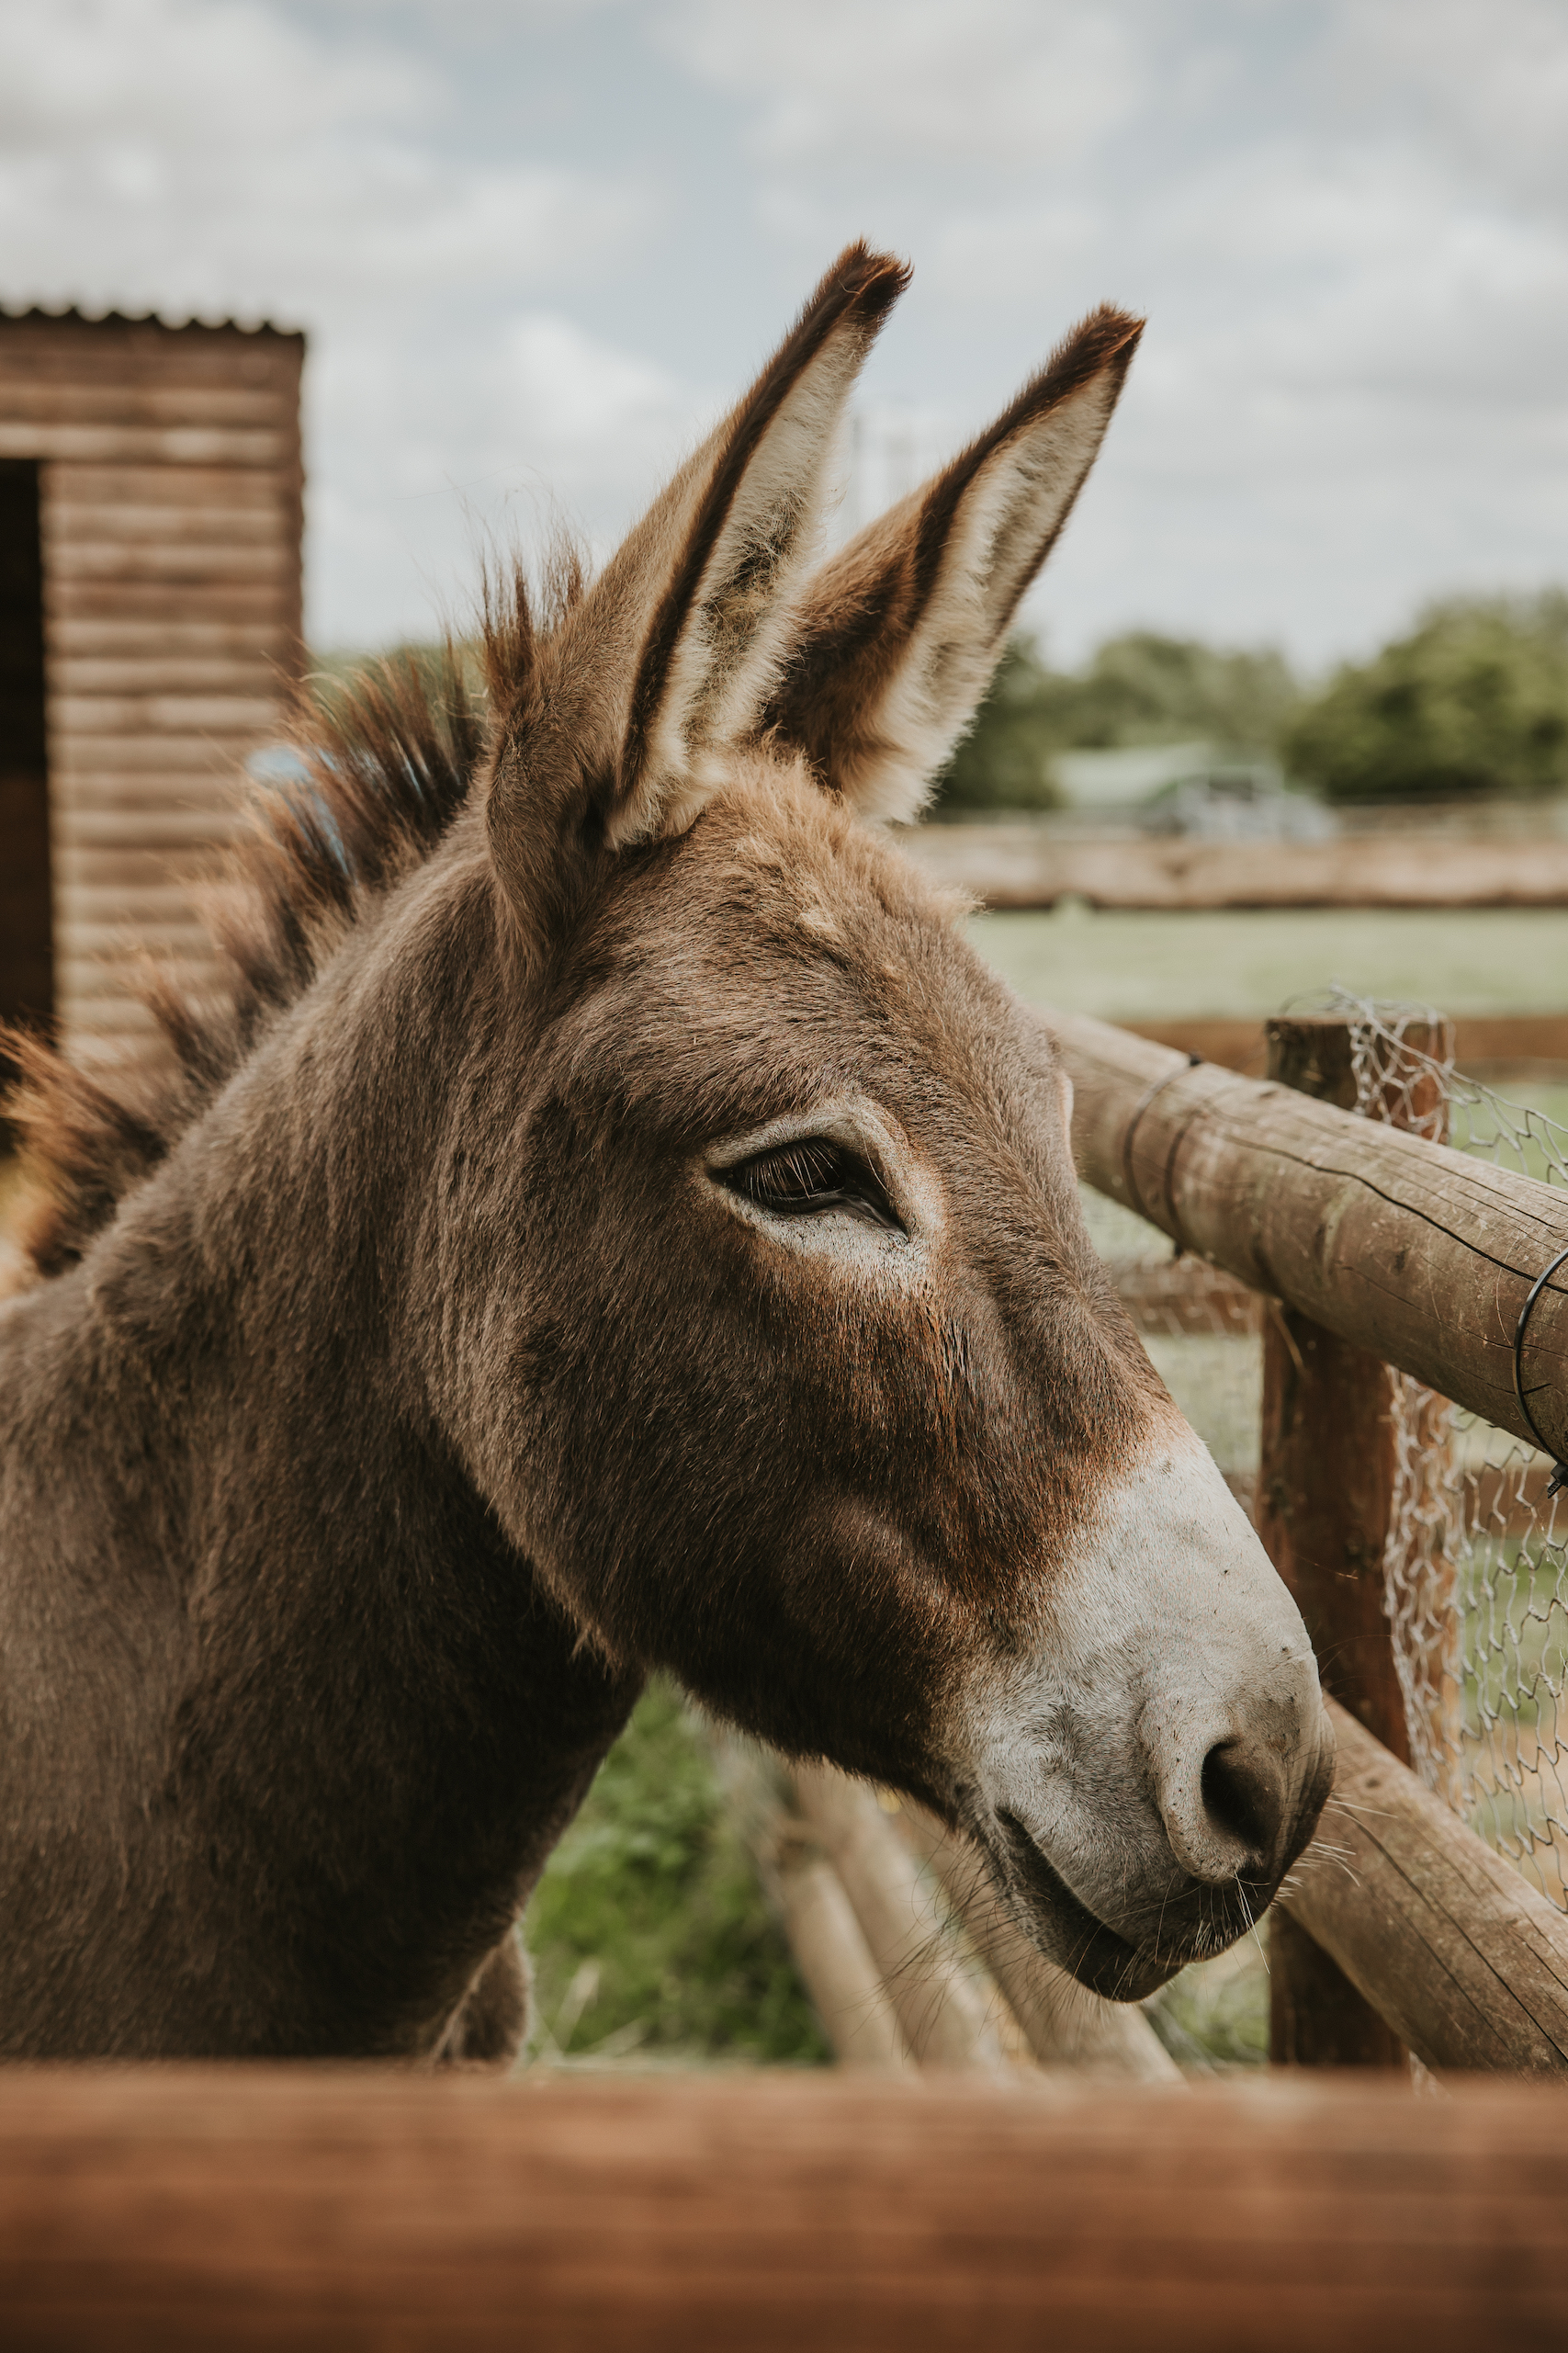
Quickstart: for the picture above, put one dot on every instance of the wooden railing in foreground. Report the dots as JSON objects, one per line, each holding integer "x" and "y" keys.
{"x": 177, "y": 2208}
{"x": 1424, "y": 1258}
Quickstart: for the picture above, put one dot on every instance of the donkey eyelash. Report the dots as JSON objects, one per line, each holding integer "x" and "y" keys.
{"x": 813, "y": 1175}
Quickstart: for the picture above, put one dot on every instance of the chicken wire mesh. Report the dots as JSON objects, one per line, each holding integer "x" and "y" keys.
{"x": 1475, "y": 1567}
{"x": 1475, "y": 1571}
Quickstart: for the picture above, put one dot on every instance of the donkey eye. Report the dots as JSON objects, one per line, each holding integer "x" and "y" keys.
{"x": 813, "y": 1175}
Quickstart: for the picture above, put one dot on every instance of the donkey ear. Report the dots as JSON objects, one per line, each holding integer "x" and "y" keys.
{"x": 898, "y": 636}
{"x": 668, "y": 660}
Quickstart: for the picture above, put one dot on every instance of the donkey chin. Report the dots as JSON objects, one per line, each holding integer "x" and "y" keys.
{"x": 1141, "y": 1782}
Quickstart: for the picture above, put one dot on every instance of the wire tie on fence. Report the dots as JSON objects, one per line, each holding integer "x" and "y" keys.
{"x": 1559, "y": 1467}
{"x": 1275, "y": 1308}
{"x": 1134, "y": 1189}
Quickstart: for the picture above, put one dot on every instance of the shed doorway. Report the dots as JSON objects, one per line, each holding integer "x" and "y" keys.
{"x": 27, "y": 956}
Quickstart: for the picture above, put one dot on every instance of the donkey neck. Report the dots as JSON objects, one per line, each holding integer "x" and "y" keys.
{"x": 261, "y": 1283}
{"x": 358, "y": 1677}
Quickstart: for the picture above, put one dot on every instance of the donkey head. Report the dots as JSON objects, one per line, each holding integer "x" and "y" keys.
{"x": 798, "y": 1373}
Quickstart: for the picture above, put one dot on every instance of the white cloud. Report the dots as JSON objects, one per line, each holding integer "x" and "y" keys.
{"x": 189, "y": 71}
{"x": 424, "y": 462}
{"x": 212, "y": 158}
{"x": 1487, "y": 85}
{"x": 534, "y": 240}
{"x": 203, "y": 155}
{"x": 575, "y": 391}
{"x": 922, "y": 81}
{"x": 979, "y": 259}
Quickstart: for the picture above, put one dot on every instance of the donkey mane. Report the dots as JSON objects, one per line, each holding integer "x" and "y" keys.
{"x": 385, "y": 761}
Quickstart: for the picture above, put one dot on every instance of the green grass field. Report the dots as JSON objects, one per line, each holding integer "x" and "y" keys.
{"x": 1243, "y": 963}
{"x": 648, "y": 1931}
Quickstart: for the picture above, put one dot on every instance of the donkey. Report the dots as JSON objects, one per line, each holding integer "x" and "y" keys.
{"x": 614, "y": 1222}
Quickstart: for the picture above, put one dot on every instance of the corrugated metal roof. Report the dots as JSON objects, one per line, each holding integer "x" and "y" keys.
{"x": 72, "y": 313}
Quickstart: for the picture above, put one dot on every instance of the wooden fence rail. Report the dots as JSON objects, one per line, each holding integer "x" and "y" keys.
{"x": 177, "y": 2208}
{"x": 1452, "y": 1946}
{"x": 1482, "y": 1041}
{"x": 966, "y": 1986}
{"x": 1417, "y": 1253}
{"x": 909, "y": 1955}
{"x": 1023, "y": 865}
{"x": 1461, "y": 1958}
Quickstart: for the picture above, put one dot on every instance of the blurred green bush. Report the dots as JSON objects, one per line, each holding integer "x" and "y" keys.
{"x": 648, "y": 1931}
{"x": 1474, "y": 702}
{"x": 1141, "y": 688}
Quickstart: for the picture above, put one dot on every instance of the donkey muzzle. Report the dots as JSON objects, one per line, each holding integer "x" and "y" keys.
{"x": 1149, "y": 1775}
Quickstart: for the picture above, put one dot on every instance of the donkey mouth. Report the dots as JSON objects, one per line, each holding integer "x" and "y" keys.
{"x": 1081, "y": 1942}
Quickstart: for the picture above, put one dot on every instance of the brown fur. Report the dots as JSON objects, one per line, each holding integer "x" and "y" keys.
{"x": 405, "y": 1385}
{"x": 868, "y": 603}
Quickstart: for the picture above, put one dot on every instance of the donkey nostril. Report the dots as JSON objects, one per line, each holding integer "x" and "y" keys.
{"x": 1243, "y": 1794}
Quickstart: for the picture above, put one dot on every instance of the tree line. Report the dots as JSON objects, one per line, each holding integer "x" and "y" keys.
{"x": 1472, "y": 704}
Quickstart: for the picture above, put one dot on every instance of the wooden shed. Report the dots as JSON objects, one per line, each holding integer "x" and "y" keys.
{"x": 150, "y": 620}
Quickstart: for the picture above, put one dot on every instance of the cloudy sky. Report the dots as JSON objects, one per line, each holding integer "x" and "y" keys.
{"x": 537, "y": 242}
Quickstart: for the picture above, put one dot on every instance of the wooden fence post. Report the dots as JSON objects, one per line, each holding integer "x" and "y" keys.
{"x": 1325, "y": 1502}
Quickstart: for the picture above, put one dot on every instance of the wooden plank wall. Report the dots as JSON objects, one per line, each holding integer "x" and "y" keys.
{"x": 171, "y": 527}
